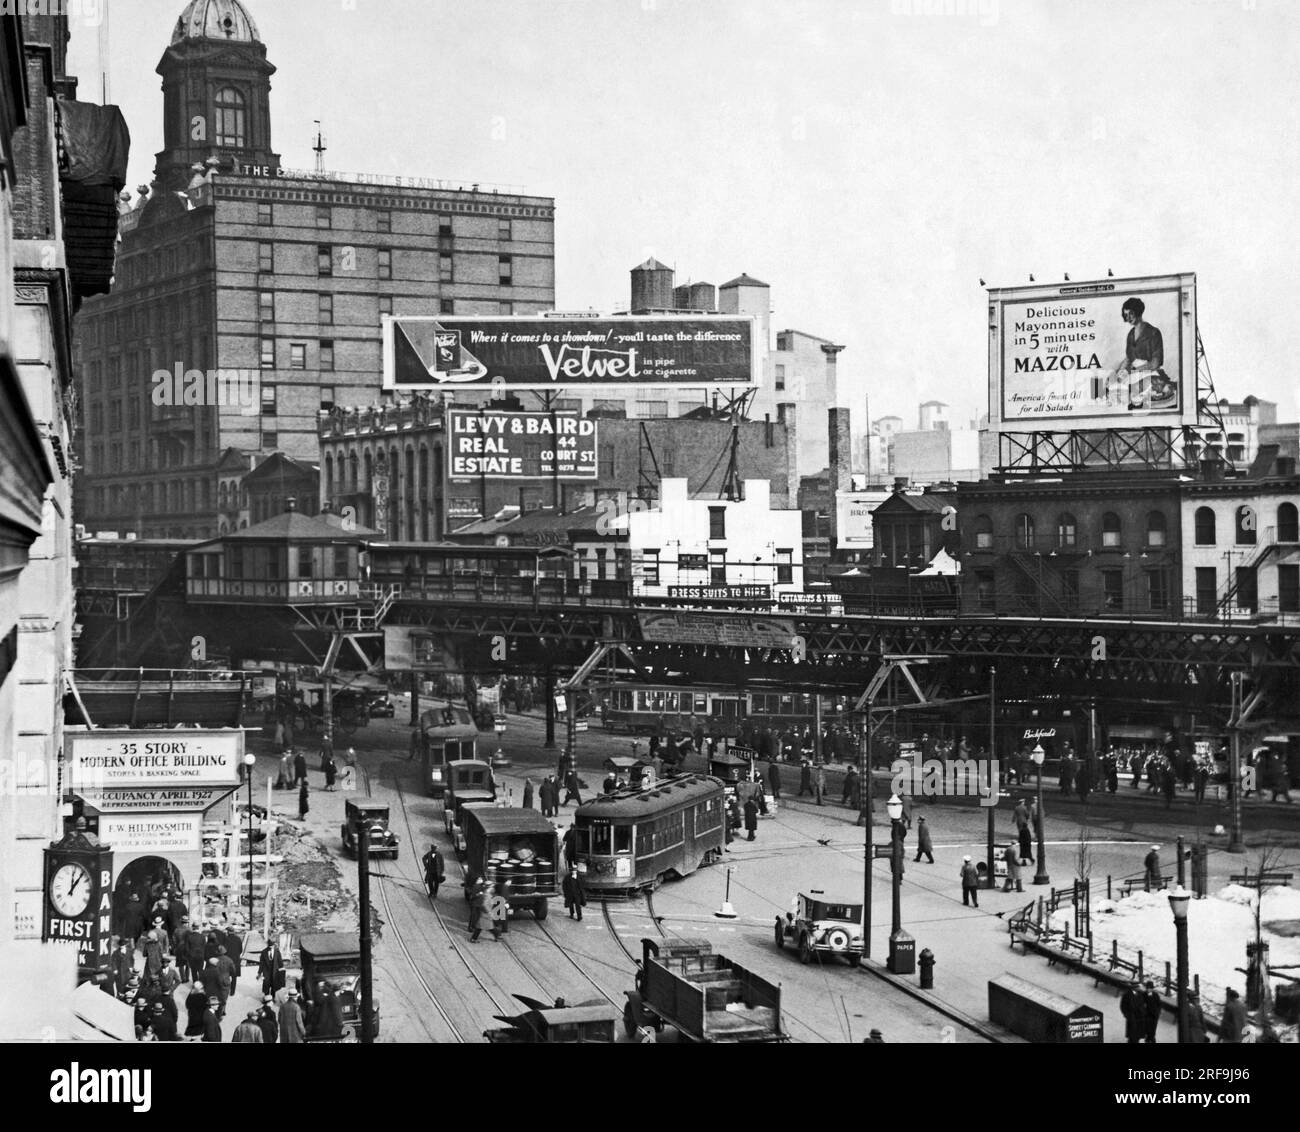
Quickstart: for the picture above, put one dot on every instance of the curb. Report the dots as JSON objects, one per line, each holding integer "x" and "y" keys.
{"x": 998, "y": 1037}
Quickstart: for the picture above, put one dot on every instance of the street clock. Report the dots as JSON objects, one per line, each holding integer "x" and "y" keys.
{"x": 79, "y": 898}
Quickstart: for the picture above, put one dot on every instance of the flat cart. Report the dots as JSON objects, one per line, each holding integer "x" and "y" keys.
{"x": 706, "y": 997}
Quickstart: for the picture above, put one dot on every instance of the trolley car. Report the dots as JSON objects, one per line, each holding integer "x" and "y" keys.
{"x": 645, "y": 709}
{"x": 445, "y": 735}
{"x": 633, "y": 839}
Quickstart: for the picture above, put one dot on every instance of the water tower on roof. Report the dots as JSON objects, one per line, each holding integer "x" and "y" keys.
{"x": 652, "y": 286}
{"x": 746, "y": 295}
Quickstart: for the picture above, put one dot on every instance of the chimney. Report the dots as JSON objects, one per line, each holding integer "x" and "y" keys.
{"x": 841, "y": 449}
{"x": 900, "y": 483}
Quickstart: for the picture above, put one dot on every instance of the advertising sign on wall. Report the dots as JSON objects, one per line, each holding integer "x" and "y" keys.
{"x": 528, "y": 352}
{"x": 520, "y": 446}
{"x": 104, "y": 759}
{"x": 717, "y": 629}
{"x": 162, "y": 834}
{"x": 1116, "y": 353}
{"x": 853, "y": 517}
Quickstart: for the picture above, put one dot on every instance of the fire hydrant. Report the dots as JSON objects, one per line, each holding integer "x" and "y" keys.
{"x": 927, "y": 969}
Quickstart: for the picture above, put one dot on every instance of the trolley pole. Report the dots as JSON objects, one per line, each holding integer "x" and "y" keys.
{"x": 993, "y": 780}
{"x": 868, "y": 850}
{"x": 367, "y": 1009}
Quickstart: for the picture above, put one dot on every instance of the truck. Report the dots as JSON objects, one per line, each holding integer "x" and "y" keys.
{"x": 706, "y": 997}
{"x": 469, "y": 782}
{"x": 515, "y": 851}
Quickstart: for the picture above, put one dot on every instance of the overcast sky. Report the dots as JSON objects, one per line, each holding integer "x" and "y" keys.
{"x": 871, "y": 161}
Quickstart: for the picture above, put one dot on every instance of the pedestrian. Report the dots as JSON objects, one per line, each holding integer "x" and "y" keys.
{"x": 163, "y": 1024}
{"x": 330, "y": 767}
{"x": 121, "y": 966}
{"x": 970, "y": 883}
{"x": 477, "y": 908}
{"x": 774, "y": 780}
{"x": 1151, "y": 1005}
{"x": 1200, "y": 780}
{"x": 284, "y": 778}
{"x": 1136, "y": 767}
{"x": 611, "y": 783}
{"x": 266, "y": 1021}
{"x": 1132, "y": 1007}
{"x": 499, "y": 910}
{"x": 434, "y": 872}
{"x": 178, "y": 912}
{"x": 212, "y": 1020}
{"x": 153, "y": 960}
{"x": 805, "y": 777}
{"x": 195, "y": 952}
{"x": 547, "y": 796}
{"x": 270, "y": 968}
{"x": 1278, "y": 780}
{"x": 303, "y": 805}
{"x": 1169, "y": 785}
{"x": 1112, "y": 772}
{"x": 1152, "y": 865}
{"x": 291, "y": 1027}
{"x": 248, "y": 1032}
{"x": 1011, "y": 857}
{"x": 575, "y": 898}
{"x": 1232, "y": 1026}
{"x": 225, "y": 969}
{"x": 875, "y": 1038}
{"x": 180, "y": 948}
{"x": 169, "y": 980}
{"x": 235, "y": 949}
{"x": 572, "y": 788}
{"x": 923, "y": 843}
{"x": 299, "y": 769}
{"x": 196, "y": 1005}
{"x": 751, "y": 818}
{"x": 1196, "y": 1032}
{"x": 850, "y": 787}
{"x": 819, "y": 782}
{"x": 278, "y": 736}
{"x": 528, "y": 793}
{"x": 327, "y": 1012}
{"x": 1083, "y": 781}
{"x": 1067, "y": 773}
{"x": 133, "y": 918}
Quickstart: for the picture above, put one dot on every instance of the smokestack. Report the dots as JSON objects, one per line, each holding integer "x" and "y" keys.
{"x": 841, "y": 449}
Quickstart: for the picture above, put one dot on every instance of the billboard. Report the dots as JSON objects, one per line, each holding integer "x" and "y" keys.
{"x": 530, "y": 352}
{"x": 717, "y": 629}
{"x": 1116, "y": 353}
{"x": 130, "y": 759}
{"x": 503, "y": 445}
{"x": 853, "y": 517}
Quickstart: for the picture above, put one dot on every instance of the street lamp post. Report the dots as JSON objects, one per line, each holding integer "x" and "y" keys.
{"x": 250, "y": 761}
{"x": 1178, "y": 902}
{"x": 1040, "y": 877}
{"x": 902, "y": 947}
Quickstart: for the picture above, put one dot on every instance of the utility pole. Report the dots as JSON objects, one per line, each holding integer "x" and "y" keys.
{"x": 366, "y": 1007}
{"x": 993, "y": 779}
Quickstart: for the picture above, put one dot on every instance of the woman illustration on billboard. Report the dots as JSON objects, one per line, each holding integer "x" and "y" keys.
{"x": 1149, "y": 387}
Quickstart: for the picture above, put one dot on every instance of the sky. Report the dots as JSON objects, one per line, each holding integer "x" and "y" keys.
{"x": 872, "y": 161}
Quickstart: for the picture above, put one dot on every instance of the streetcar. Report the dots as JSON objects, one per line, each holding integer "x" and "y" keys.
{"x": 633, "y": 839}
{"x": 445, "y": 735}
{"x": 648, "y": 709}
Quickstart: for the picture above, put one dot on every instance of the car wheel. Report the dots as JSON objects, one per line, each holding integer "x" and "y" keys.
{"x": 805, "y": 950}
{"x": 780, "y": 935}
{"x": 631, "y": 1013}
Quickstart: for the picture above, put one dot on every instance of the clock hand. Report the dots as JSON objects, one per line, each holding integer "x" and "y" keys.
{"x": 76, "y": 880}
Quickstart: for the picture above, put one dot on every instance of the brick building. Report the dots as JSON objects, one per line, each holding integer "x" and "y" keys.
{"x": 272, "y": 279}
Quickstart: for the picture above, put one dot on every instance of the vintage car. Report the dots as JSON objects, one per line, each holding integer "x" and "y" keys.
{"x": 818, "y": 926}
{"x": 331, "y": 969}
{"x": 380, "y": 706}
{"x": 556, "y": 1025}
{"x": 383, "y": 841}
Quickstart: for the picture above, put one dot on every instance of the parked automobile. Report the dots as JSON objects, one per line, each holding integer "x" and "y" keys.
{"x": 381, "y": 706}
{"x": 818, "y": 926}
{"x": 332, "y": 959}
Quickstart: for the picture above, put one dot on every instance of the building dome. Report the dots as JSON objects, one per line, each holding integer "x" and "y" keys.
{"x": 216, "y": 19}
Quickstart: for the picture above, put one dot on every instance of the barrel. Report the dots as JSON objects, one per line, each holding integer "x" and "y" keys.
{"x": 506, "y": 872}
{"x": 545, "y": 876}
{"x": 525, "y": 874}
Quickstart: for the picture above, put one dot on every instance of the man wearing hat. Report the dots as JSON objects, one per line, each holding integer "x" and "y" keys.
{"x": 196, "y": 1006}
{"x": 876, "y": 1038}
{"x": 1151, "y": 1005}
{"x": 1130, "y": 1005}
{"x": 248, "y": 1032}
{"x": 235, "y": 949}
{"x": 970, "y": 883}
{"x": 270, "y": 968}
{"x": 266, "y": 1021}
{"x": 291, "y": 1029}
{"x": 180, "y": 948}
{"x": 211, "y": 1020}
{"x": 164, "y": 1026}
{"x": 1152, "y": 864}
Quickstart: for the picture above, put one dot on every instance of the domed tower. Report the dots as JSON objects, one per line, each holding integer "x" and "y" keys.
{"x": 216, "y": 93}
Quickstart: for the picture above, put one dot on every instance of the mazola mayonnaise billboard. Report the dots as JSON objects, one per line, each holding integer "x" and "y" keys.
{"x": 1115, "y": 353}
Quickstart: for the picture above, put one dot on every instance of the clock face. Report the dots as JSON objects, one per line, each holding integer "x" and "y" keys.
{"x": 70, "y": 890}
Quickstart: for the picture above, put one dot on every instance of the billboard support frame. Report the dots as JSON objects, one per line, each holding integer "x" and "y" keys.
{"x": 1032, "y": 453}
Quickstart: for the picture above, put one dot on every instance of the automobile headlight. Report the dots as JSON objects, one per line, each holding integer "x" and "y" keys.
{"x": 435, "y": 774}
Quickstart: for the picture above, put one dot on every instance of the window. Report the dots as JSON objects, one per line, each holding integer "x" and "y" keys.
{"x": 1204, "y": 526}
{"x": 650, "y": 567}
{"x": 607, "y": 460}
{"x": 385, "y": 304}
{"x": 1070, "y": 588}
{"x": 326, "y": 398}
{"x": 692, "y": 562}
{"x": 297, "y": 355}
{"x": 114, "y": 457}
{"x": 133, "y": 414}
{"x": 780, "y": 377}
{"x": 1207, "y": 589}
{"x": 717, "y": 567}
{"x": 1112, "y": 589}
{"x": 983, "y": 532}
{"x": 325, "y": 309}
{"x": 505, "y": 270}
{"x": 446, "y": 306}
{"x": 1066, "y": 529}
{"x": 266, "y": 256}
{"x": 1288, "y": 589}
{"x": 652, "y": 408}
{"x": 505, "y": 307}
{"x": 270, "y": 440}
{"x": 1245, "y": 525}
{"x": 503, "y": 230}
{"x": 230, "y": 117}
{"x": 268, "y": 400}
{"x": 384, "y": 220}
{"x": 115, "y": 416}
{"x": 984, "y": 589}
{"x": 264, "y": 213}
{"x": 340, "y": 562}
{"x": 784, "y": 567}
{"x": 327, "y": 354}
{"x": 1156, "y": 529}
{"x": 717, "y": 522}
{"x": 266, "y": 306}
{"x": 1288, "y": 523}
{"x": 1111, "y": 530}
{"x": 323, "y": 216}
{"x": 268, "y": 353}
{"x": 446, "y": 273}
{"x": 324, "y": 259}
{"x": 304, "y": 561}
{"x": 1247, "y": 588}
{"x": 444, "y": 227}
{"x": 385, "y": 263}
{"x": 1157, "y": 590}
{"x": 1024, "y": 532}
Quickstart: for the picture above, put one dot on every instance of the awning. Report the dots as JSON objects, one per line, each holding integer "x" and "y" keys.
{"x": 98, "y": 1017}
{"x": 61, "y": 1011}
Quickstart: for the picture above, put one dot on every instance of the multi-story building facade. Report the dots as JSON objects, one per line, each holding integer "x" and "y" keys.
{"x": 61, "y": 164}
{"x": 275, "y": 281}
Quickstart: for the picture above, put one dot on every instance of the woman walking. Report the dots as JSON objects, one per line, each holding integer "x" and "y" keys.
{"x": 303, "y": 805}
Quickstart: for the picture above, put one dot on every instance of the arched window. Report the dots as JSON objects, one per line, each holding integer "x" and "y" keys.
{"x": 1156, "y": 528}
{"x": 1205, "y": 534}
{"x": 1288, "y": 523}
{"x": 1066, "y": 530}
{"x": 1024, "y": 532}
{"x": 1245, "y": 524}
{"x": 370, "y": 473}
{"x": 1111, "y": 529}
{"x": 230, "y": 117}
{"x": 983, "y": 532}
